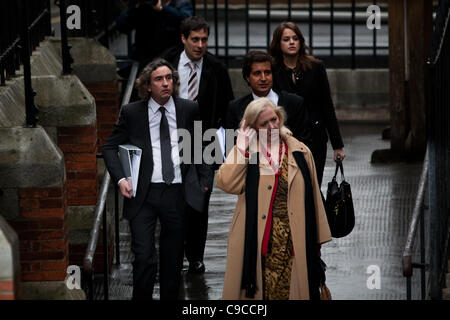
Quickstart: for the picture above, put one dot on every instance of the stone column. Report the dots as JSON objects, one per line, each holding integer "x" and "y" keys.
{"x": 67, "y": 111}
{"x": 96, "y": 67}
{"x": 9, "y": 263}
{"x": 34, "y": 201}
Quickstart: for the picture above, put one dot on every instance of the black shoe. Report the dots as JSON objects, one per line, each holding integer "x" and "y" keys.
{"x": 197, "y": 267}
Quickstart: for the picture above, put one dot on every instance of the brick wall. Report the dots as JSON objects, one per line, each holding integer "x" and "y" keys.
{"x": 43, "y": 234}
{"x": 7, "y": 290}
{"x": 106, "y": 96}
{"x": 77, "y": 252}
{"x": 79, "y": 145}
{"x": 10, "y": 289}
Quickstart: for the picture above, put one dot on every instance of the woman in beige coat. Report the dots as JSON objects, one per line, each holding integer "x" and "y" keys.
{"x": 279, "y": 222}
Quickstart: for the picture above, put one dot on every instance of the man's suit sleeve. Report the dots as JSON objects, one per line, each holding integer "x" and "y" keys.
{"x": 111, "y": 148}
{"x": 180, "y": 11}
{"x": 205, "y": 172}
{"x": 126, "y": 22}
{"x": 227, "y": 95}
{"x": 329, "y": 114}
{"x": 230, "y": 122}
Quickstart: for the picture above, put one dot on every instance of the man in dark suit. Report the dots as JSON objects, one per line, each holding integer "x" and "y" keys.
{"x": 257, "y": 72}
{"x": 157, "y": 25}
{"x": 152, "y": 124}
{"x": 205, "y": 79}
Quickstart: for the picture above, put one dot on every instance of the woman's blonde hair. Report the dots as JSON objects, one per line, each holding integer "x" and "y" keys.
{"x": 256, "y": 107}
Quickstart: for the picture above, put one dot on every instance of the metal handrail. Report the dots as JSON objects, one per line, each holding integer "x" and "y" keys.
{"x": 417, "y": 217}
{"x": 92, "y": 245}
{"x": 100, "y": 214}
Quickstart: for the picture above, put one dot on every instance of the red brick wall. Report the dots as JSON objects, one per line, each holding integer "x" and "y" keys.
{"x": 10, "y": 289}
{"x": 106, "y": 96}
{"x": 43, "y": 234}
{"x": 79, "y": 145}
{"x": 7, "y": 290}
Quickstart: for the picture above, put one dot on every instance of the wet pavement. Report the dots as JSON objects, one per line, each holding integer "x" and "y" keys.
{"x": 383, "y": 196}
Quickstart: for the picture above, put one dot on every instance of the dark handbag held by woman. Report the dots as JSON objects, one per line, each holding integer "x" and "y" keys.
{"x": 339, "y": 205}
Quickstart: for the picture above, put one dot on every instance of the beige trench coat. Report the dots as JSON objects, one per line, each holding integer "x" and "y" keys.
{"x": 231, "y": 179}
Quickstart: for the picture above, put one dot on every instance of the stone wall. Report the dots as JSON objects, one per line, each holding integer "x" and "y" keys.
{"x": 9, "y": 262}
{"x": 50, "y": 186}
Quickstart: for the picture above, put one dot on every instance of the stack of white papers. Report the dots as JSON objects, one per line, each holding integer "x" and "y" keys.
{"x": 130, "y": 157}
{"x": 220, "y": 133}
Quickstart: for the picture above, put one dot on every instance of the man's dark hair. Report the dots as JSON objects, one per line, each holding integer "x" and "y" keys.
{"x": 194, "y": 23}
{"x": 143, "y": 81}
{"x": 254, "y": 56}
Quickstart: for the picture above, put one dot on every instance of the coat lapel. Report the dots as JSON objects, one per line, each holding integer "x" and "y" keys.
{"x": 281, "y": 98}
{"x": 243, "y": 105}
{"x": 179, "y": 111}
{"x": 176, "y": 60}
{"x": 206, "y": 74}
{"x": 293, "y": 167}
{"x": 146, "y": 127}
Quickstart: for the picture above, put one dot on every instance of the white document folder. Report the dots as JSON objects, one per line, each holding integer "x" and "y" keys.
{"x": 220, "y": 133}
{"x": 130, "y": 157}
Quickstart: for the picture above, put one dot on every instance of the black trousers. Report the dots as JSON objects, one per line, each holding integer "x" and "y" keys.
{"x": 196, "y": 231}
{"x": 167, "y": 204}
{"x": 319, "y": 151}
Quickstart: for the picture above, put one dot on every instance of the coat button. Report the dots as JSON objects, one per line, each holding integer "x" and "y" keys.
{"x": 269, "y": 187}
{"x": 264, "y": 216}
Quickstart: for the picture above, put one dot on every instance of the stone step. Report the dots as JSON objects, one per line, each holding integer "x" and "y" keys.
{"x": 446, "y": 294}
{"x": 446, "y": 291}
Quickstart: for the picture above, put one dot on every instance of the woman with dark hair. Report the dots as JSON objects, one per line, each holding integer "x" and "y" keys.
{"x": 279, "y": 222}
{"x": 299, "y": 72}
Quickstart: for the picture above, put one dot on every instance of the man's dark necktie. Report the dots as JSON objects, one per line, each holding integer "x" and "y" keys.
{"x": 166, "y": 148}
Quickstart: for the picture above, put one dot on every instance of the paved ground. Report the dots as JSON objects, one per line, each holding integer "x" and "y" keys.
{"x": 383, "y": 199}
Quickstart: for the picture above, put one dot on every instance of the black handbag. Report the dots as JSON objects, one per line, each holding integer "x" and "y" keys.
{"x": 339, "y": 205}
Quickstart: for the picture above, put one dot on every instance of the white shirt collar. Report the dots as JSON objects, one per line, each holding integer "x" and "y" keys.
{"x": 272, "y": 96}
{"x": 184, "y": 60}
{"x": 154, "y": 106}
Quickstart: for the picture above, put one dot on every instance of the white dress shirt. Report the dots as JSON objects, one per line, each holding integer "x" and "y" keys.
{"x": 272, "y": 96}
{"x": 184, "y": 70}
{"x": 154, "y": 120}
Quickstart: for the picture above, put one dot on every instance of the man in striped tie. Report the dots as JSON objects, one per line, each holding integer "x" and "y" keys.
{"x": 203, "y": 78}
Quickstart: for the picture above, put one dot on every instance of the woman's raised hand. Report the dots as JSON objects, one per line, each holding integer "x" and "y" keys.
{"x": 245, "y": 136}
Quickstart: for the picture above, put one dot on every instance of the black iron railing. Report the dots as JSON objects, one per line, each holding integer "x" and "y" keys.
{"x": 23, "y": 24}
{"x": 97, "y": 19}
{"x": 65, "y": 47}
{"x": 439, "y": 141}
{"x": 336, "y": 31}
{"x": 417, "y": 221}
{"x": 436, "y": 170}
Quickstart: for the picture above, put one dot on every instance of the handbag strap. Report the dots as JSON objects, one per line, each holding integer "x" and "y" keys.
{"x": 340, "y": 166}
